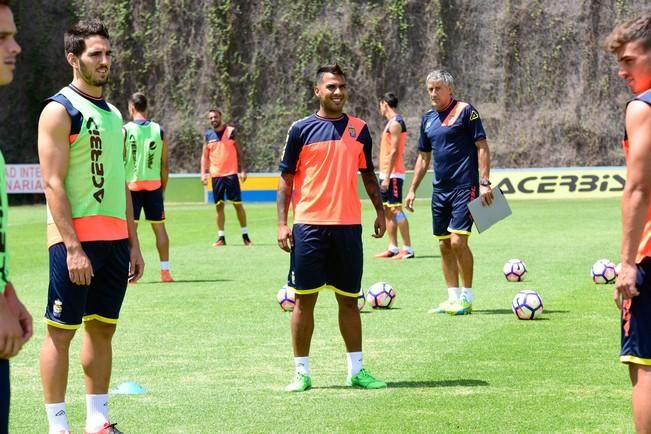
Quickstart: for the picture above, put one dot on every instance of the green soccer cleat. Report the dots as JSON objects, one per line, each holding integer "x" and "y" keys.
{"x": 301, "y": 383}
{"x": 460, "y": 307}
{"x": 442, "y": 308}
{"x": 364, "y": 380}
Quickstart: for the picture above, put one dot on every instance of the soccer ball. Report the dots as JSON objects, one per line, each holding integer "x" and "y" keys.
{"x": 286, "y": 298}
{"x": 618, "y": 269}
{"x": 361, "y": 300}
{"x": 603, "y": 271}
{"x": 515, "y": 270}
{"x": 527, "y": 304}
{"x": 381, "y": 295}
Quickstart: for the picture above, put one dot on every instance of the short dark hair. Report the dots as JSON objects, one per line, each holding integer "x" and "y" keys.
{"x": 637, "y": 29}
{"x": 390, "y": 99}
{"x": 74, "y": 39}
{"x": 4, "y": 2}
{"x": 139, "y": 102}
{"x": 332, "y": 69}
{"x": 215, "y": 110}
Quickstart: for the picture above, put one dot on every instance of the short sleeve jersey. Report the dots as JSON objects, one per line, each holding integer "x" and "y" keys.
{"x": 450, "y": 135}
{"x": 325, "y": 155}
{"x": 644, "y": 249}
{"x": 222, "y": 153}
{"x": 385, "y": 150}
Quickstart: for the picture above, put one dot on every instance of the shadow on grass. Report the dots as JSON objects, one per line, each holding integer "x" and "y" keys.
{"x": 510, "y": 312}
{"x": 140, "y": 282}
{"x": 424, "y": 384}
{"x": 462, "y": 382}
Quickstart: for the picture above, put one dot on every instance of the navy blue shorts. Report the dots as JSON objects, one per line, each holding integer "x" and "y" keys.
{"x": 393, "y": 195}
{"x": 636, "y": 320}
{"x": 228, "y": 186}
{"x": 326, "y": 256}
{"x": 68, "y": 304}
{"x": 5, "y": 394}
{"x": 151, "y": 202}
{"x": 450, "y": 212}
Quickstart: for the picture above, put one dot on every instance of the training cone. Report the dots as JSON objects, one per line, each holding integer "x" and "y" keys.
{"x": 128, "y": 388}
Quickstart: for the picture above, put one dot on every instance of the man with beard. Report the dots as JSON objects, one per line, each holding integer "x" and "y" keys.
{"x": 319, "y": 166}
{"x": 93, "y": 246}
{"x": 221, "y": 157}
{"x": 15, "y": 320}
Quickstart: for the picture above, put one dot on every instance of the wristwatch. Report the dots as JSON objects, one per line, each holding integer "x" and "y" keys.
{"x": 485, "y": 183}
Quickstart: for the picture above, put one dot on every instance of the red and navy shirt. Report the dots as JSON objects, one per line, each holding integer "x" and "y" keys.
{"x": 325, "y": 155}
{"x": 450, "y": 135}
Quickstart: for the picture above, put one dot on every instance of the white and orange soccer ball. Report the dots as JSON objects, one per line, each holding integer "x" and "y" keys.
{"x": 286, "y": 298}
{"x": 515, "y": 270}
{"x": 381, "y": 295}
{"x": 527, "y": 305}
{"x": 603, "y": 271}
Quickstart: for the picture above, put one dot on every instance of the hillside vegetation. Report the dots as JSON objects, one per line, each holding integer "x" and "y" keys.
{"x": 546, "y": 91}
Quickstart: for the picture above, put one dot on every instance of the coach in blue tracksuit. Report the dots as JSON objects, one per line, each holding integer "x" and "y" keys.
{"x": 453, "y": 132}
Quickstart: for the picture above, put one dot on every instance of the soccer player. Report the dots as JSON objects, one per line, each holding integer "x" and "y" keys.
{"x": 221, "y": 157}
{"x": 631, "y": 43}
{"x": 392, "y": 176}
{"x": 453, "y": 132}
{"x": 15, "y": 320}
{"x": 147, "y": 171}
{"x": 93, "y": 245}
{"x": 319, "y": 168}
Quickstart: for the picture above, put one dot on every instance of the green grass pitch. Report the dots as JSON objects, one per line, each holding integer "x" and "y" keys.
{"x": 213, "y": 349}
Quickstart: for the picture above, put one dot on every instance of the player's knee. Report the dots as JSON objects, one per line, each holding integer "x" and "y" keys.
{"x": 60, "y": 337}
{"x": 459, "y": 243}
{"x": 445, "y": 246}
{"x": 98, "y": 330}
{"x": 398, "y": 215}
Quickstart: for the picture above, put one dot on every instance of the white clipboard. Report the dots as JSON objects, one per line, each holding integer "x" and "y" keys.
{"x": 486, "y": 216}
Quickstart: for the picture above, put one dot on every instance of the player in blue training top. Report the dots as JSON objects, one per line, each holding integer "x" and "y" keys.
{"x": 453, "y": 132}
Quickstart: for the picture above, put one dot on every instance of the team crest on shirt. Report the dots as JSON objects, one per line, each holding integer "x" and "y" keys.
{"x": 57, "y": 308}
{"x": 352, "y": 132}
{"x": 474, "y": 115}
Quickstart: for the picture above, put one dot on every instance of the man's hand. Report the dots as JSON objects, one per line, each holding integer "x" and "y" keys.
{"x": 486, "y": 195}
{"x": 242, "y": 175}
{"x": 80, "y": 270}
{"x": 380, "y": 225}
{"x": 204, "y": 179}
{"x": 409, "y": 200}
{"x": 136, "y": 264}
{"x": 625, "y": 287}
{"x": 10, "y": 330}
{"x": 384, "y": 185}
{"x": 23, "y": 315}
{"x": 285, "y": 240}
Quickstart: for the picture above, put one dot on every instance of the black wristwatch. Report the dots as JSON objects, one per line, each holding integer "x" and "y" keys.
{"x": 485, "y": 183}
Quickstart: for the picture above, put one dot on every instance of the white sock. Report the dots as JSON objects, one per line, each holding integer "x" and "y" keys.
{"x": 96, "y": 412}
{"x": 407, "y": 248}
{"x": 454, "y": 294}
{"x": 57, "y": 418}
{"x": 354, "y": 363}
{"x": 164, "y": 265}
{"x": 220, "y": 234}
{"x": 393, "y": 248}
{"x": 244, "y": 230}
{"x": 467, "y": 294}
{"x": 302, "y": 365}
